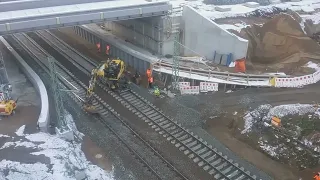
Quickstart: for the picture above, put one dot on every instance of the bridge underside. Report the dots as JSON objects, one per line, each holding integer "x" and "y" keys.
{"x": 85, "y": 13}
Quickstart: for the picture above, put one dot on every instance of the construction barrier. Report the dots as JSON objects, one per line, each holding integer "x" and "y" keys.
{"x": 294, "y": 82}
{"x": 206, "y": 86}
{"x": 316, "y": 76}
{"x": 183, "y": 84}
{"x": 190, "y": 90}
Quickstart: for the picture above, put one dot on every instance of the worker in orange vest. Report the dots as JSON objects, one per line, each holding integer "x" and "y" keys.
{"x": 317, "y": 176}
{"x": 107, "y": 50}
{"x": 148, "y": 73}
{"x": 98, "y": 47}
{"x": 150, "y": 81}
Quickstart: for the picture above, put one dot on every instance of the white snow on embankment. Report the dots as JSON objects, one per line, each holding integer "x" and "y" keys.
{"x": 313, "y": 65}
{"x": 66, "y": 158}
{"x": 280, "y": 111}
{"x": 239, "y": 10}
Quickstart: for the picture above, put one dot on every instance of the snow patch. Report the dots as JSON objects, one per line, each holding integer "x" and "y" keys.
{"x": 291, "y": 109}
{"x": 237, "y": 27}
{"x": 18, "y": 144}
{"x": 313, "y": 65}
{"x": 271, "y": 150}
{"x": 66, "y": 158}
{"x": 3, "y": 135}
{"x": 20, "y": 131}
{"x": 264, "y": 113}
{"x": 315, "y": 18}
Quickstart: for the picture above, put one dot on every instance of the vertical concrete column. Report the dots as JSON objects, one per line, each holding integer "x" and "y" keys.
{"x": 143, "y": 38}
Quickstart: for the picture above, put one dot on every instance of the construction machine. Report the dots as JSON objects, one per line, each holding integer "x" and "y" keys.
{"x": 112, "y": 73}
{"x": 7, "y": 104}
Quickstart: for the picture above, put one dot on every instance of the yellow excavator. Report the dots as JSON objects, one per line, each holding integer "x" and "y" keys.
{"x": 111, "y": 72}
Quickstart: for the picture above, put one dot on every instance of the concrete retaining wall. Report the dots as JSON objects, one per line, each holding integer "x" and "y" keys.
{"x": 204, "y": 36}
{"x": 43, "y": 119}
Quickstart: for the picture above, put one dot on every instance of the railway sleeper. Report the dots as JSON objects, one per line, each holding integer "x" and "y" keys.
{"x": 166, "y": 125}
{"x": 145, "y": 109}
{"x": 153, "y": 115}
{"x": 157, "y": 118}
{"x": 180, "y": 133}
{"x": 149, "y": 112}
{"x": 201, "y": 163}
{"x": 200, "y": 151}
{"x": 195, "y": 148}
{"x": 172, "y": 129}
{"x": 223, "y": 165}
{"x": 196, "y": 159}
{"x": 191, "y": 156}
{"x": 183, "y": 137}
{"x": 206, "y": 167}
{"x": 228, "y": 169}
{"x": 218, "y": 176}
{"x": 194, "y": 142}
{"x": 187, "y": 140}
{"x": 212, "y": 158}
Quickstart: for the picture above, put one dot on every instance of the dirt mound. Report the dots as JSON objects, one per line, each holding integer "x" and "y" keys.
{"x": 279, "y": 41}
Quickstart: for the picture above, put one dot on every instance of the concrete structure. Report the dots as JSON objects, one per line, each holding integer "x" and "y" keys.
{"x": 13, "y": 5}
{"x": 22, "y": 20}
{"x": 155, "y": 34}
{"x": 204, "y": 36}
{"x": 138, "y": 58}
{"x": 43, "y": 120}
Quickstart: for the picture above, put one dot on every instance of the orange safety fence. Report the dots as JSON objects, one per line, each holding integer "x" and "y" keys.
{"x": 240, "y": 65}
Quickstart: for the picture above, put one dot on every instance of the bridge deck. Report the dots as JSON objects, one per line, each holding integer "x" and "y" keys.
{"x": 69, "y": 15}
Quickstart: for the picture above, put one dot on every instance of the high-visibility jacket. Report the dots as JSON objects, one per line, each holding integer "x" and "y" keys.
{"x": 316, "y": 177}
{"x": 157, "y": 92}
{"x": 98, "y": 46}
{"x": 150, "y": 79}
{"x": 107, "y": 49}
{"x": 148, "y": 73}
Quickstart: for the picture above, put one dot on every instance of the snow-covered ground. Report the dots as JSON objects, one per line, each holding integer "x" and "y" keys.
{"x": 241, "y": 10}
{"x": 265, "y": 112}
{"x": 289, "y": 142}
{"x": 66, "y": 158}
{"x": 308, "y": 6}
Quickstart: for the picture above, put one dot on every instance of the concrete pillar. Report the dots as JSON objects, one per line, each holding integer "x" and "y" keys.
{"x": 143, "y": 40}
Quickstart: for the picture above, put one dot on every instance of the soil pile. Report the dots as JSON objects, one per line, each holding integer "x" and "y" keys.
{"x": 280, "y": 41}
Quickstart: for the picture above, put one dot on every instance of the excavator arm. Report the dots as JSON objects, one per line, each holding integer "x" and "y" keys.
{"x": 95, "y": 73}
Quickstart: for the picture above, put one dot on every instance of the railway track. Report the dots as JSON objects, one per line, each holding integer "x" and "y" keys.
{"x": 77, "y": 93}
{"x": 206, "y": 156}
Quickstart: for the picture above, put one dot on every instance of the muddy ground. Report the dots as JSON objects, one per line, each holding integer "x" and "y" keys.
{"x": 275, "y": 147}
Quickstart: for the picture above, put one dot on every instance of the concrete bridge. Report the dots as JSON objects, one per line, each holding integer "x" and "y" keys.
{"x": 30, "y": 15}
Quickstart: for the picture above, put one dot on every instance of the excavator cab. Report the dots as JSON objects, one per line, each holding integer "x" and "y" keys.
{"x": 112, "y": 71}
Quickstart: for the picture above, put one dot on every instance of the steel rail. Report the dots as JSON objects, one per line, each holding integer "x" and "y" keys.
{"x": 207, "y": 157}
{"x": 104, "y": 109}
{"x": 75, "y": 58}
